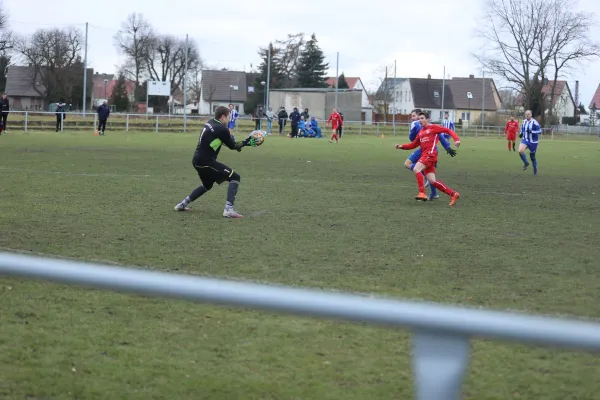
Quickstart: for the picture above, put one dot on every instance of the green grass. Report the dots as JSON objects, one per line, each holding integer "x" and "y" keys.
{"x": 347, "y": 220}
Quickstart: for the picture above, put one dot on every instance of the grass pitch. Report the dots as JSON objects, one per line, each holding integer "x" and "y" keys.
{"x": 317, "y": 214}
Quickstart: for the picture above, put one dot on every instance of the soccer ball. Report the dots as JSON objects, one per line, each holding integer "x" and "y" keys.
{"x": 258, "y": 137}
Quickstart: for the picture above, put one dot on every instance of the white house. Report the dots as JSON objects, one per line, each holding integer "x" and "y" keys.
{"x": 356, "y": 84}
{"x": 564, "y": 105}
{"x": 221, "y": 88}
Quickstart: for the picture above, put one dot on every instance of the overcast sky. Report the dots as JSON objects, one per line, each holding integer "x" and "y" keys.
{"x": 366, "y": 34}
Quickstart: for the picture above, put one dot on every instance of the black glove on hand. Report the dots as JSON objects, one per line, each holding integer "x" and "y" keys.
{"x": 521, "y": 135}
{"x": 452, "y": 152}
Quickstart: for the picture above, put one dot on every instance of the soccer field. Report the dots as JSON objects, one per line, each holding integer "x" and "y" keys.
{"x": 317, "y": 214}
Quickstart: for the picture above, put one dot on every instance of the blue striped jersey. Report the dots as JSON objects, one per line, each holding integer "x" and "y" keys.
{"x": 531, "y": 130}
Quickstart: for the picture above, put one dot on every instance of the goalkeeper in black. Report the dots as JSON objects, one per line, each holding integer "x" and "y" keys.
{"x": 214, "y": 135}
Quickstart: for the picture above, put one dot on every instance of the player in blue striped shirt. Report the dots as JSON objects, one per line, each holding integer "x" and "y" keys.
{"x": 415, "y": 127}
{"x": 447, "y": 123}
{"x": 530, "y": 131}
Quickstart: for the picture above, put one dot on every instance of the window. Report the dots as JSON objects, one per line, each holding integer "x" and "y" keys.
{"x": 436, "y": 94}
{"x": 465, "y": 116}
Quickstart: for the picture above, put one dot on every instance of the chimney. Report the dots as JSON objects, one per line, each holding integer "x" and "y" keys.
{"x": 472, "y": 76}
{"x": 428, "y": 76}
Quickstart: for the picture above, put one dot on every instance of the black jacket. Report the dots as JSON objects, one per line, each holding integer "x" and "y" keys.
{"x": 295, "y": 117}
{"x": 4, "y": 105}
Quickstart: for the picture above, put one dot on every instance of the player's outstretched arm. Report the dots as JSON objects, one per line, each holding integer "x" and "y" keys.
{"x": 408, "y": 146}
{"x": 445, "y": 143}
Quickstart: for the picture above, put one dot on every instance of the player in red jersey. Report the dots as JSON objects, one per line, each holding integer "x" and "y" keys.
{"x": 428, "y": 139}
{"x": 336, "y": 122}
{"x": 511, "y": 129}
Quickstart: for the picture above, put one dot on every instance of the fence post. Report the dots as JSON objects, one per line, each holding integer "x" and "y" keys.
{"x": 439, "y": 363}
{"x": 127, "y": 123}
{"x": 25, "y": 126}
{"x": 360, "y": 129}
{"x": 62, "y": 121}
{"x": 157, "y": 124}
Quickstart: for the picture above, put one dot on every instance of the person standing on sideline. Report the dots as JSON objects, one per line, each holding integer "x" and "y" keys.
{"x": 103, "y": 114}
{"x": 270, "y": 117}
{"x": 5, "y": 107}
{"x": 305, "y": 114}
{"x": 340, "y": 126}
{"x": 295, "y": 119}
{"x": 258, "y": 115}
{"x": 283, "y": 117}
{"x": 60, "y": 116}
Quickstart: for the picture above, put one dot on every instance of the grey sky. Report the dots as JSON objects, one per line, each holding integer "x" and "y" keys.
{"x": 367, "y": 35}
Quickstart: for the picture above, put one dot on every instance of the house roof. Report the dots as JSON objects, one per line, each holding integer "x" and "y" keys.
{"x": 427, "y": 93}
{"x": 595, "y": 99}
{"x": 558, "y": 90}
{"x": 461, "y": 86}
{"x": 19, "y": 82}
{"x": 320, "y": 90}
{"x": 352, "y": 80}
{"x": 216, "y": 85}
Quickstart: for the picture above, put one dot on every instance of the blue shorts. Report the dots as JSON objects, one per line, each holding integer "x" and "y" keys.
{"x": 231, "y": 125}
{"x": 414, "y": 157}
{"x": 531, "y": 146}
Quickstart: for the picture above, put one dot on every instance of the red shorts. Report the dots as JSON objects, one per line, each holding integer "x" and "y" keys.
{"x": 334, "y": 127}
{"x": 429, "y": 161}
{"x": 511, "y": 136}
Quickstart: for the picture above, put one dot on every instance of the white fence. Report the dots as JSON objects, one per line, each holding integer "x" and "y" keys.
{"x": 31, "y": 121}
{"x": 441, "y": 334}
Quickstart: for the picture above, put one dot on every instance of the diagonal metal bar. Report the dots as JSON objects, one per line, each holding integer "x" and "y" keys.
{"x": 443, "y": 319}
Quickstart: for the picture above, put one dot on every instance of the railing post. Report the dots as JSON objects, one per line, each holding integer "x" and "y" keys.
{"x": 62, "y": 122}
{"x": 127, "y": 123}
{"x": 157, "y": 124}
{"x": 25, "y": 126}
{"x": 439, "y": 364}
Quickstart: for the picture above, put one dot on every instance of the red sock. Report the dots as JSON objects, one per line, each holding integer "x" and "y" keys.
{"x": 509, "y": 147}
{"x": 334, "y": 136}
{"x": 441, "y": 186}
{"x": 420, "y": 182}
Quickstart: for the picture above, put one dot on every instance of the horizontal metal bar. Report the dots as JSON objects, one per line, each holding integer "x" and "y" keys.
{"x": 414, "y": 315}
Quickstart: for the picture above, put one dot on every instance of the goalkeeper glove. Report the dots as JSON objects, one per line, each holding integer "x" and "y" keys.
{"x": 521, "y": 135}
{"x": 249, "y": 141}
{"x": 452, "y": 152}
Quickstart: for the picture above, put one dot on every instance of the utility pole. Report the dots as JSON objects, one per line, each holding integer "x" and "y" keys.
{"x": 185, "y": 71}
{"x": 85, "y": 61}
{"x": 337, "y": 78}
{"x": 268, "y": 78}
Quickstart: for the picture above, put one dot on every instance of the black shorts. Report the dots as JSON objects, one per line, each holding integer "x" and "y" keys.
{"x": 213, "y": 172}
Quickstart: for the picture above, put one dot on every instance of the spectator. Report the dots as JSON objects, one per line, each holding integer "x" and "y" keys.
{"x": 315, "y": 127}
{"x": 5, "y": 107}
{"x": 305, "y": 115}
{"x": 295, "y": 119}
{"x": 283, "y": 117}
{"x": 270, "y": 116}
{"x": 103, "y": 113}
{"x": 340, "y": 129}
{"x": 60, "y": 116}
{"x": 302, "y": 127}
{"x": 258, "y": 115}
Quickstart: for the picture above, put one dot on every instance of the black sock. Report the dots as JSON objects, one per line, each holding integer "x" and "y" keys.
{"x": 232, "y": 192}
{"x": 199, "y": 191}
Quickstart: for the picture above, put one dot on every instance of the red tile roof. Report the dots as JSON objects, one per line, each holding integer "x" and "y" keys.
{"x": 351, "y": 81}
{"x": 595, "y": 99}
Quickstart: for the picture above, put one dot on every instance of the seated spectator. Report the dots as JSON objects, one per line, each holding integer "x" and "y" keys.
{"x": 302, "y": 127}
{"x": 315, "y": 127}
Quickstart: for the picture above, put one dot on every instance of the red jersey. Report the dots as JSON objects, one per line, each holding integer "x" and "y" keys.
{"x": 428, "y": 139}
{"x": 512, "y": 127}
{"x": 336, "y": 120}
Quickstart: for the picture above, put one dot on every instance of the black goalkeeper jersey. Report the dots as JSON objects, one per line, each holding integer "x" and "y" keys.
{"x": 213, "y": 136}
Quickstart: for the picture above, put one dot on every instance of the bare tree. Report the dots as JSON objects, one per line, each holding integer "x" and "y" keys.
{"x": 287, "y": 56}
{"x": 195, "y": 83}
{"x": 6, "y": 35}
{"x": 508, "y": 97}
{"x": 383, "y": 98}
{"x": 209, "y": 92}
{"x": 54, "y": 55}
{"x": 166, "y": 60}
{"x": 134, "y": 41}
{"x": 528, "y": 41}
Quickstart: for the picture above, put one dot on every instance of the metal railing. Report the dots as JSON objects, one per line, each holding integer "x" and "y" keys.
{"x": 441, "y": 334}
{"x": 31, "y": 121}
